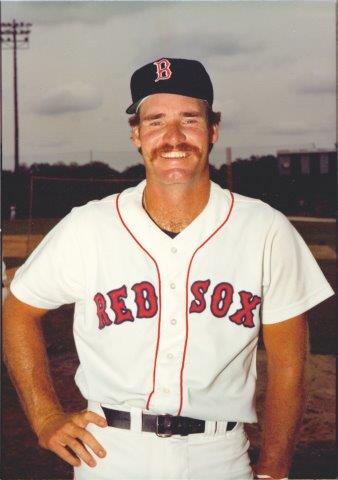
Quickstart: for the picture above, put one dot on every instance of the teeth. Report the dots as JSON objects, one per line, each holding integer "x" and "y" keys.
{"x": 174, "y": 154}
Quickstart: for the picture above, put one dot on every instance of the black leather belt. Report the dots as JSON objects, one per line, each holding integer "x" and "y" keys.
{"x": 162, "y": 425}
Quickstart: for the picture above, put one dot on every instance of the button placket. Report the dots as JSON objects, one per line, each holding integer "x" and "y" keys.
{"x": 167, "y": 390}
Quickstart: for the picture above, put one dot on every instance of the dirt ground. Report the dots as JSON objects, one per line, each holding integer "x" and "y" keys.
{"x": 315, "y": 456}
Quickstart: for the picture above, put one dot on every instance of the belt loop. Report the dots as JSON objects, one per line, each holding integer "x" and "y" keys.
{"x": 221, "y": 427}
{"x": 135, "y": 419}
{"x": 210, "y": 427}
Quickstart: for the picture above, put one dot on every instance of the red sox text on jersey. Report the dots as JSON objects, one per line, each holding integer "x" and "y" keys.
{"x": 220, "y": 298}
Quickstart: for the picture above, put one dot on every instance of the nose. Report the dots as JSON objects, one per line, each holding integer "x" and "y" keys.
{"x": 174, "y": 134}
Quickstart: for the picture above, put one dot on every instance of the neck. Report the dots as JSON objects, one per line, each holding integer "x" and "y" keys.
{"x": 174, "y": 207}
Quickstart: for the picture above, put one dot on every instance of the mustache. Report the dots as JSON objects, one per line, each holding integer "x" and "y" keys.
{"x": 182, "y": 147}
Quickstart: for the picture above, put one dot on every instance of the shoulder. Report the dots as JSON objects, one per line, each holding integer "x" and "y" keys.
{"x": 105, "y": 208}
{"x": 254, "y": 206}
{"x": 93, "y": 208}
{"x": 250, "y": 211}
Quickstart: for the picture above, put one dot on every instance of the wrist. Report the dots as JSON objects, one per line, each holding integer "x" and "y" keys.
{"x": 39, "y": 426}
{"x": 275, "y": 465}
{"x": 275, "y": 471}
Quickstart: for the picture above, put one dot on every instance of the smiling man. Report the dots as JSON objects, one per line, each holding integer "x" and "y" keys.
{"x": 172, "y": 281}
{"x": 174, "y": 136}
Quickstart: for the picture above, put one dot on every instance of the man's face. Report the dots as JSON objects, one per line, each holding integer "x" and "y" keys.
{"x": 174, "y": 137}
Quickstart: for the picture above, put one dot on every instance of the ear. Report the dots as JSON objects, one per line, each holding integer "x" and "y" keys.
{"x": 213, "y": 133}
{"x": 135, "y": 136}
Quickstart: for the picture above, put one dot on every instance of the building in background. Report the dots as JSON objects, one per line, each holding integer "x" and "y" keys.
{"x": 308, "y": 181}
{"x": 307, "y": 162}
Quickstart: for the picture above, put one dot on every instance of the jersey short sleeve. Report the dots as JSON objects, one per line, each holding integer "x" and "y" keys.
{"x": 292, "y": 280}
{"x": 52, "y": 275}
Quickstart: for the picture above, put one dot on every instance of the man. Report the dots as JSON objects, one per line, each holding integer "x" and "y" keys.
{"x": 171, "y": 281}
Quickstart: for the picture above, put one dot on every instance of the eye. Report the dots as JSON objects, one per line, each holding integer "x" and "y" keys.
{"x": 155, "y": 123}
{"x": 190, "y": 121}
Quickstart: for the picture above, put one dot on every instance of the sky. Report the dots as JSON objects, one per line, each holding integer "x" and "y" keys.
{"x": 272, "y": 64}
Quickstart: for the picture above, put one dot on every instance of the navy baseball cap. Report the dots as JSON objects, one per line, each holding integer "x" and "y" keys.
{"x": 170, "y": 75}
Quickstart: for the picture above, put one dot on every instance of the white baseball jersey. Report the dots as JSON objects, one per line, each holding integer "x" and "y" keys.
{"x": 171, "y": 325}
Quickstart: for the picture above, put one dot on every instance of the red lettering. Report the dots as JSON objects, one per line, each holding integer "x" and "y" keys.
{"x": 104, "y": 320}
{"x": 244, "y": 316}
{"x": 221, "y": 299}
{"x": 146, "y": 299}
{"x": 163, "y": 71}
{"x": 122, "y": 313}
{"x": 199, "y": 289}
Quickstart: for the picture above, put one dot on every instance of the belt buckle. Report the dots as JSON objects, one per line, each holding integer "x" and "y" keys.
{"x": 166, "y": 425}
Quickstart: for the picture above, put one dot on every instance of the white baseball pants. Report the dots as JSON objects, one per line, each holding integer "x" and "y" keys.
{"x": 135, "y": 455}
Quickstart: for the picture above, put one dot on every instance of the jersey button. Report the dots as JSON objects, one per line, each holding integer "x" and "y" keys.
{"x": 173, "y": 321}
{"x": 170, "y": 355}
{"x": 172, "y": 286}
{"x": 166, "y": 390}
{"x": 174, "y": 250}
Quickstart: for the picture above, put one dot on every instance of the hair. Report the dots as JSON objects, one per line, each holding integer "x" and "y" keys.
{"x": 213, "y": 118}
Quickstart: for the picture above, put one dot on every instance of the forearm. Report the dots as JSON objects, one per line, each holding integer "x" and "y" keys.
{"x": 284, "y": 405}
{"x": 26, "y": 360}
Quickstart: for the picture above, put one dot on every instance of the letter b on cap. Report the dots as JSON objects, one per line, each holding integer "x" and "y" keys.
{"x": 163, "y": 71}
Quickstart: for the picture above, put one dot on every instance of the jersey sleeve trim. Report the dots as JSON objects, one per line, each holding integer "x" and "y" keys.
{"x": 302, "y": 306}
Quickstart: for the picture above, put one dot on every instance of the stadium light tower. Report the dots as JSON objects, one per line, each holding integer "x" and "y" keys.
{"x": 15, "y": 35}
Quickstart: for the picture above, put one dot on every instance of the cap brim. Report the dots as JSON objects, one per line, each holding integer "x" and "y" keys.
{"x": 133, "y": 107}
